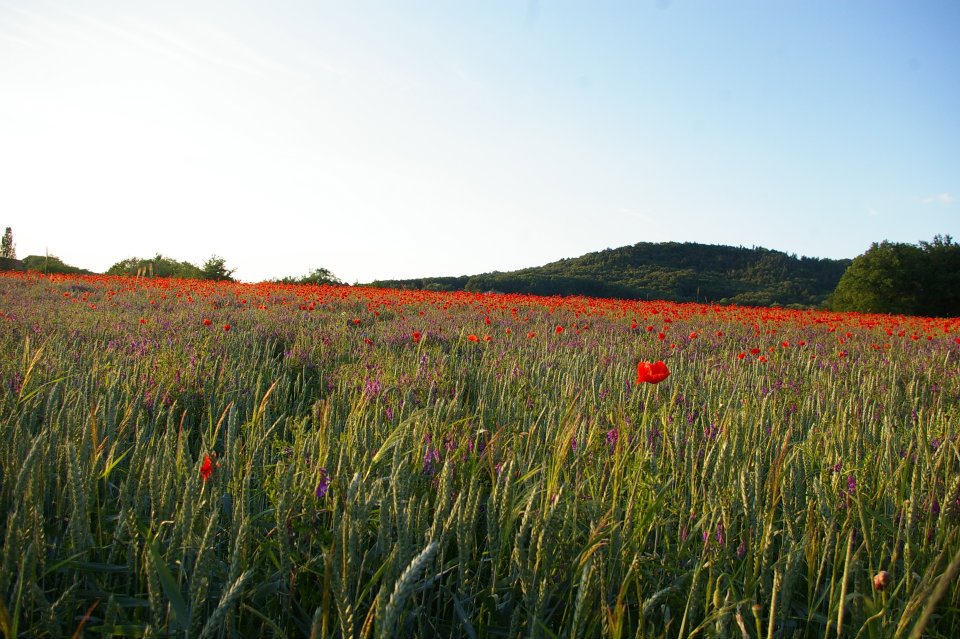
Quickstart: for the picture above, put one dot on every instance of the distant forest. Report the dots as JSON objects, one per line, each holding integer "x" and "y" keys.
{"x": 683, "y": 272}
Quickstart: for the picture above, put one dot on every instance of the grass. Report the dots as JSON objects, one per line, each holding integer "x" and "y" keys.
{"x": 366, "y": 484}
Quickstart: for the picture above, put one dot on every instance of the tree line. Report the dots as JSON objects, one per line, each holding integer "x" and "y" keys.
{"x": 921, "y": 279}
{"x": 907, "y": 279}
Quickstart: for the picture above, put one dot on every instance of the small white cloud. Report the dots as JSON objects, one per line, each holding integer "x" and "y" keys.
{"x": 943, "y": 198}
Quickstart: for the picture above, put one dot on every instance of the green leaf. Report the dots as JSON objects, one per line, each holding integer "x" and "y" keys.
{"x": 181, "y": 614}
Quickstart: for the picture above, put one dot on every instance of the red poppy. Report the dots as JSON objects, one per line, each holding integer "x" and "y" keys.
{"x": 206, "y": 469}
{"x": 226, "y": 327}
{"x": 207, "y": 322}
{"x": 652, "y": 373}
{"x": 741, "y": 355}
{"x": 473, "y": 338}
{"x": 416, "y": 337}
{"x": 559, "y": 330}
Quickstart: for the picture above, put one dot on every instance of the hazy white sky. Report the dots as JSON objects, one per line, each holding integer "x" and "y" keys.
{"x": 403, "y": 139}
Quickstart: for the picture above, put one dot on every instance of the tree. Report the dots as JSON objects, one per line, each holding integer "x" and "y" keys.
{"x": 903, "y": 278}
{"x": 215, "y": 268}
{"x": 157, "y": 266}
{"x": 320, "y": 276}
{"x": 51, "y": 264}
{"x": 942, "y": 298}
{"x": 8, "y": 249}
{"x": 885, "y": 279}
{"x": 316, "y": 276}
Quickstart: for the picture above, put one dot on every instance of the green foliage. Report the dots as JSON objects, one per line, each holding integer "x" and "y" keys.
{"x": 49, "y": 264}
{"x": 903, "y": 279}
{"x": 215, "y": 268}
{"x": 157, "y": 266}
{"x": 670, "y": 271}
{"x": 448, "y": 284}
{"x": 316, "y": 276}
{"x": 8, "y": 250}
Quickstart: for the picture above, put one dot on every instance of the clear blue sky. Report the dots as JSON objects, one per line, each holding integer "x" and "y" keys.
{"x": 404, "y": 139}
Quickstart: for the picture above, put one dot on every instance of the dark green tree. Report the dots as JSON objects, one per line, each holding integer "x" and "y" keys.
{"x": 8, "y": 249}
{"x": 903, "y": 278}
{"x": 942, "y": 292}
{"x": 215, "y": 268}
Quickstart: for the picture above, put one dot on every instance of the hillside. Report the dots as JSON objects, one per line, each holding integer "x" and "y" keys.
{"x": 682, "y": 272}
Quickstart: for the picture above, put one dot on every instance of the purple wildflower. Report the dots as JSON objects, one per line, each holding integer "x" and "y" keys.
{"x": 324, "y": 484}
{"x": 431, "y": 457}
{"x": 612, "y": 436}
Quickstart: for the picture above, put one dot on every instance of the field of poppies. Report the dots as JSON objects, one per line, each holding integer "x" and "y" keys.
{"x": 190, "y": 459}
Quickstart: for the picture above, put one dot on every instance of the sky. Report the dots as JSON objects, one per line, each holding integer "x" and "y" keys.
{"x": 395, "y": 139}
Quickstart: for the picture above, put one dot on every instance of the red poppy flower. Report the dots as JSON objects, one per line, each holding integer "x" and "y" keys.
{"x": 226, "y": 327}
{"x": 206, "y": 469}
{"x": 559, "y": 330}
{"x": 652, "y": 373}
{"x": 416, "y": 337}
{"x": 473, "y": 338}
{"x": 741, "y": 355}
{"x": 207, "y": 322}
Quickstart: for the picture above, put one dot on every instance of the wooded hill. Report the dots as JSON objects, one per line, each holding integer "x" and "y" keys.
{"x": 683, "y": 272}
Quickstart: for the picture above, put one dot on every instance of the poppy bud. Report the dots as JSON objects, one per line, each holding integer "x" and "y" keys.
{"x": 881, "y": 580}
